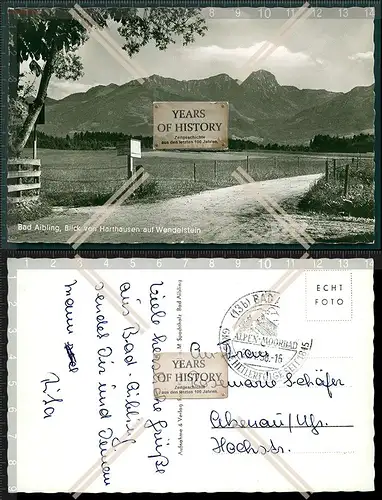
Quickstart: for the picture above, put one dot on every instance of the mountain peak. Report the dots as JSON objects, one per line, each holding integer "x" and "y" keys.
{"x": 262, "y": 77}
{"x": 260, "y": 108}
{"x": 222, "y": 76}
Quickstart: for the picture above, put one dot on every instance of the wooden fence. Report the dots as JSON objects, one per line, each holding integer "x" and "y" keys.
{"x": 334, "y": 167}
{"x": 23, "y": 180}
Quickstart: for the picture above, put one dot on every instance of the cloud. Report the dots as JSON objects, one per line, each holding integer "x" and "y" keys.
{"x": 281, "y": 56}
{"x": 362, "y": 56}
{"x": 59, "y": 89}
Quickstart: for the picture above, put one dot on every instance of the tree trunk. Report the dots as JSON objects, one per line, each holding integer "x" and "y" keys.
{"x": 36, "y": 106}
{"x": 14, "y": 65}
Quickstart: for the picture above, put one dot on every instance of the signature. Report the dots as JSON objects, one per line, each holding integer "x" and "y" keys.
{"x": 49, "y": 410}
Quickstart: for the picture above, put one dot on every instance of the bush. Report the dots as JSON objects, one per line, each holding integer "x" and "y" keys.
{"x": 148, "y": 189}
{"x": 27, "y": 211}
{"x": 77, "y": 199}
{"x": 327, "y": 197}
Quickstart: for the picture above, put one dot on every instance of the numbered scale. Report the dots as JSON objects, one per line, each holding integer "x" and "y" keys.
{"x": 283, "y": 12}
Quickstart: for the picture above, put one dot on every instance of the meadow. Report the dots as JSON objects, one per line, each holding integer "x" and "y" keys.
{"x": 328, "y": 196}
{"x": 88, "y": 178}
{"x": 78, "y": 178}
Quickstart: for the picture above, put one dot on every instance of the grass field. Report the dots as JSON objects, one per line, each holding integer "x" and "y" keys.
{"x": 329, "y": 196}
{"x": 87, "y": 178}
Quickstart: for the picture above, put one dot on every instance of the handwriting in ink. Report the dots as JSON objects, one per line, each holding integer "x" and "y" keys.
{"x": 247, "y": 383}
{"x": 243, "y": 353}
{"x": 154, "y": 303}
{"x": 123, "y": 289}
{"x": 49, "y": 410}
{"x": 156, "y": 349}
{"x": 104, "y": 436}
{"x": 129, "y": 346}
{"x": 328, "y": 381}
{"x": 290, "y": 422}
{"x": 69, "y": 303}
{"x": 72, "y": 358}
{"x": 100, "y": 318}
{"x": 245, "y": 446}
{"x": 103, "y": 410}
{"x": 104, "y": 352}
{"x": 196, "y": 354}
{"x": 131, "y": 402}
{"x": 305, "y": 380}
{"x": 162, "y": 461}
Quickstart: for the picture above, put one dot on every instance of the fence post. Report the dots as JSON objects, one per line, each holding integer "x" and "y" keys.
{"x": 20, "y": 180}
{"x": 346, "y": 186}
{"x": 275, "y": 161}
{"x": 215, "y": 170}
{"x": 247, "y": 166}
{"x": 298, "y": 162}
{"x": 132, "y": 166}
{"x": 128, "y": 166}
{"x": 326, "y": 170}
{"x": 334, "y": 169}
{"x": 35, "y": 141}
{"x": 194, "y": 172}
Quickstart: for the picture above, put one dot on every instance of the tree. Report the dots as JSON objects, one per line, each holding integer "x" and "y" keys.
{"x": 50, "y": 38}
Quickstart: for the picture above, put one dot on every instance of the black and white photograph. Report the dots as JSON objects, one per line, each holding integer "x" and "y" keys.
{"x": 195, "y": 126}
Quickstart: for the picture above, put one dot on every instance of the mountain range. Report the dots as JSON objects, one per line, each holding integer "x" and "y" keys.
{"x": 259, "y": 108}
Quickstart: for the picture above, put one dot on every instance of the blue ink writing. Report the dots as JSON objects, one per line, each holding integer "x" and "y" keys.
{"x": 162, "y": 461}
{"x": 104, "y": 352}
{"x": 290, "y": 422}
{"x": 196, "y": 354}
{"x": 103, "y": 411}
{"x": 129, "y": 346}
{"x": 72, "y": 359}
{"x": 327, "y": 382}
{"x": 249, "y": 384}
{"x": 131, "y": 402}
{"x": 245, "y": 446}
{"x": 244, "y": 353}
{"x": 123, "y": 289}
{"x": 154, "y": 303}
{"x": 49, "y": 410}
{"x": 100, "y": 318}
{"x": 104, "y": 436}
{"x": 69, "y": 303}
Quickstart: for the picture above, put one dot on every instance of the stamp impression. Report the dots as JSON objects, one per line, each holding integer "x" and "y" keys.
{"x": 249, "y": 339}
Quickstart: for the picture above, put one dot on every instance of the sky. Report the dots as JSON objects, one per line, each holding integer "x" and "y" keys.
{"x": 318, "y": 53}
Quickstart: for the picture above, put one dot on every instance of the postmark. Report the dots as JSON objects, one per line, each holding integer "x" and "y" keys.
{"x": 250, "y": 341}
{"x": 180, "y": 375}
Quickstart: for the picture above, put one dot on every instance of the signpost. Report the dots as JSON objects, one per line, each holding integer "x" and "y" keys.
{"x": 131, "y": 150}
{"x": 190, "y": 125}
{"x": 39, "y": 121}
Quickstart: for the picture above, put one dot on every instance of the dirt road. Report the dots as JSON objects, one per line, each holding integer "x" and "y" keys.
{"x": 227, "y": 215}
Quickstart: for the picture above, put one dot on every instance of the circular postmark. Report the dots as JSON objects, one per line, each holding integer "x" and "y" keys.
{"x": 249, "y": 340}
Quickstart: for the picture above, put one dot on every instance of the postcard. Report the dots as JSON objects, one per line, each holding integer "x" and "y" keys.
{"x": 184, "y": 375}
{"x": 213, "y": 126}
